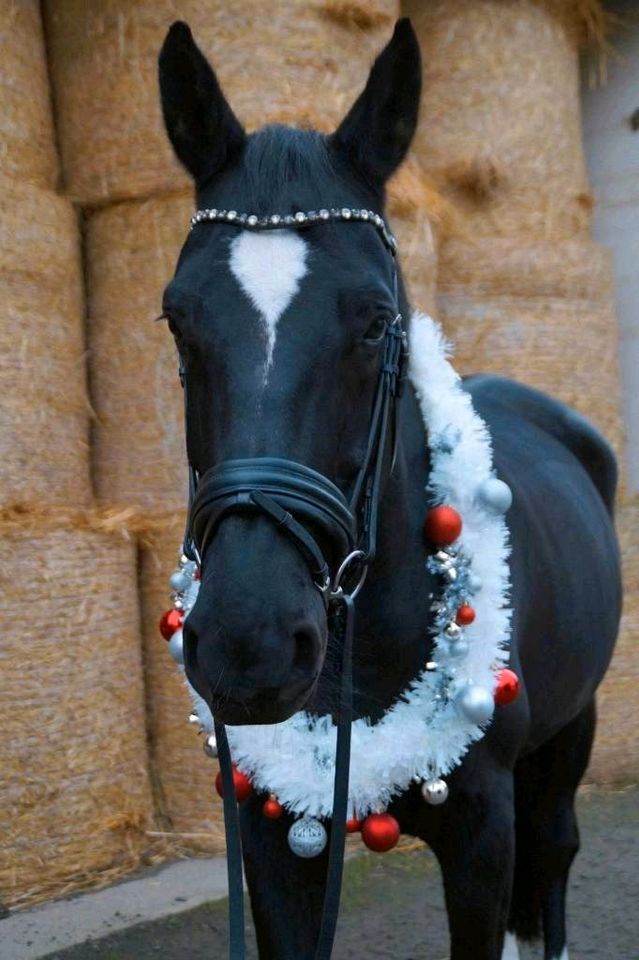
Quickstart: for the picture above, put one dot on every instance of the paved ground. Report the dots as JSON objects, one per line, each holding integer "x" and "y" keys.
{"x": 393, "y": 906}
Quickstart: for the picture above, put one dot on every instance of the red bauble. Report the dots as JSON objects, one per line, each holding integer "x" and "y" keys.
{"x": 442, "y": 525}
{"x": 171, "y": 621}
{"x": 380, "y": 832}
{"x": 241, "y": 784}
{"x": 507, "y": 688}
{"x": 465, "y": 615}
{"x": 353, "y": 825}
{"x": 272, "y": 809}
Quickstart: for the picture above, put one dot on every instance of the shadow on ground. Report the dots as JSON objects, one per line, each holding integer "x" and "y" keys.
{"x": 393, "y": 905}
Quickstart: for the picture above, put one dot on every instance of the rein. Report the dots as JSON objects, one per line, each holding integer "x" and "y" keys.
{"x": 294, "y": 496}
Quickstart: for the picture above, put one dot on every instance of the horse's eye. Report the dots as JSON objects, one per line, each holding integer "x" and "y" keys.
{"x": 376, "y": 331}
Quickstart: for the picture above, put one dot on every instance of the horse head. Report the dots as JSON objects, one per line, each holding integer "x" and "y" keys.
{"x": 281, "y": 336}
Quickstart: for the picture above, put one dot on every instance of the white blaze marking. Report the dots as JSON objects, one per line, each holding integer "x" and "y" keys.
{"x": 269, "y": 266}
{"x": 511, "y": 950}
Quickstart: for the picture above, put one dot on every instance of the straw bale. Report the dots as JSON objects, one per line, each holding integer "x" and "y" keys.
{"x": 413, "y": 206}
{"x": 76, "y": 798}
{"x": 189, "y": 809}
{"x": 616, "y": 753}
{"x": 543, "y": 315}
{"x": 44, "y": 440}
{"x": 500, "y": 129}
{"x": 27, "y": 148}
{"x": 138, "y": 440}
{"x": 275, "y": 63}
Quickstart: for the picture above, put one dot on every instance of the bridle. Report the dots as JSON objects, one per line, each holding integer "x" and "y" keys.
{"x": 292, "y": 495}
{"x": 300, "y": 501}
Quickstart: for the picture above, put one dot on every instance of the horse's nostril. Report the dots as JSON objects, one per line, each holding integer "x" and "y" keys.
{"x": 306, "y": 642}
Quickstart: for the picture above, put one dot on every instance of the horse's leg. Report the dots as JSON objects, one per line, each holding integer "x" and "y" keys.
{"x": 475, "y": 845}
{"x": 286, "y": 891}
{"x": 547, "y": 833}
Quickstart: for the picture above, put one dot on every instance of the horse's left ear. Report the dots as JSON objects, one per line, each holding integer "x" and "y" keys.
{"x": 376, "y": 133}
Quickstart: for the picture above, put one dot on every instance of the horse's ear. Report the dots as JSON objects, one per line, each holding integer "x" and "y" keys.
{"x": 203, "y": 129}
{"x": 376, "y": 133}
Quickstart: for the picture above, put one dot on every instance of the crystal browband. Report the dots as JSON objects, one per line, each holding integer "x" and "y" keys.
{"x": 276, "y": 221}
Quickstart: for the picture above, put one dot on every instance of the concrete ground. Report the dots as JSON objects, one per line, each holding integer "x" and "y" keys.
{"x": 392, "y": 905}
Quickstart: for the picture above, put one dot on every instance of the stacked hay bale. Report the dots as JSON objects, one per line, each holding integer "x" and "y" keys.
{"x": 76, "y": 803}
{"x": 522, "y": 289}
{"x": 275, "y": 64}
{"x": 73, "y": 750}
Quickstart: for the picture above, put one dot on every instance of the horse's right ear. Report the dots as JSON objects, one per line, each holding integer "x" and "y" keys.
{"x": 203, "y": 129}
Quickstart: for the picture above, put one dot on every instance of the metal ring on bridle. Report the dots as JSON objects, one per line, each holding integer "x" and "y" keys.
{"x": 343, "y": 567}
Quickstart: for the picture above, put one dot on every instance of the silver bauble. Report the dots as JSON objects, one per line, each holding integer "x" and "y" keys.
{"x": 495, "y": 495}
{"x": 475, "y": 703}
{"x": 434, "y": 791}
{"x": 450, "y": 574}
{"x": 307, "y": 838}
{"x": 458, "y": 649}
{"x": 180, "y": 581}
{"x": 176, "y": 647}
{"x": 452, "y": 630}
{"x": 210, "y": 746}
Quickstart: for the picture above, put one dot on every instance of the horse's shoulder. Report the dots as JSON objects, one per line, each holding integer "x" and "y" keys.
{"x": 500, "y": 397}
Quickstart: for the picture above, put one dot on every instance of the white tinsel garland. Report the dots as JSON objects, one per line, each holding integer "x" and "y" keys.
{"x": 425, "y": 734}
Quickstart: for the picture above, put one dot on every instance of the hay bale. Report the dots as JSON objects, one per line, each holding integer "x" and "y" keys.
{"x": 275, "y": 63}
{"x": 616, "y": 753}
{"x": 27, "y": 148}
{"x": 76, "y": 800}
{"x": 539, "y": 314}
{"x": 413, "y": 206}
{"x": 189, "y": 809}
{"x": 500, "y": 128}
{"x": 44, "y": 440}
{"x": 138, "y": 441}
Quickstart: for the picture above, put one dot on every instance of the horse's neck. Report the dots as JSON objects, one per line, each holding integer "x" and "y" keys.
{"x": 392, "y": 611}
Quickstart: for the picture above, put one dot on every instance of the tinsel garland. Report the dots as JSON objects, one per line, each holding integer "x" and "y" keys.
{"x": 431, "y": 726}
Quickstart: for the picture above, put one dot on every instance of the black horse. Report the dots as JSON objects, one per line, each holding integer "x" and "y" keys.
{"x": 280, "y": 347}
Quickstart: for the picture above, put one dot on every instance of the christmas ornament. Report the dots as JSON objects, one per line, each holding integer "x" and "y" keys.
{"x": 465, "y": 615}
{"x": 443, "y": 525}
{"x": 380, "y": 832}
{"x": 435, "y": 791}
{"x": 170, "y": 621}
{"x": 176, "y": 647}
{"x": 446, "y": 708}
{"x": 241, "y": 785}
{"x": 353, "y": 825}
{"x": 210, "y": 746}
{"x": 507, "y": 688}
{"x": 307, "y": 838}
{"x": 475, "y": 703}
{"x": 272, "y": 808}
{"x": 495, "y": 495}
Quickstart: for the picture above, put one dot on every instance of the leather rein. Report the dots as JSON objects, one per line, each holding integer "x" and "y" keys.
{"x": 299, "y": 500}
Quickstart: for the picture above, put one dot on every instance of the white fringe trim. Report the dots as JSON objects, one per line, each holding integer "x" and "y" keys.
{"x": 417, "y": 738}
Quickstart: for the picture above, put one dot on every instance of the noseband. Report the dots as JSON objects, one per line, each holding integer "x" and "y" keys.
{"x": 301, "y": 502}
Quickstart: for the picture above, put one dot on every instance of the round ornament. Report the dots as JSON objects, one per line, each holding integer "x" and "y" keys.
{"x": 435, "y": 792}
{"x": 380, "y": 832}
{"x": 495, "y": 495}
{"x": 241, "y": 784}
{"x": 307, "y": 838}
{"x": 171, "y": 621}
{"x": 210, "y": 746}
{"x": 179, "y": 581}
{"x": 507, "y": 688}
{"x": 443, "y": 525}
{"x": 272, "y": 808}
{"x": 353, "y": 825}
{"x": 475, "y": 703}
{"x": 465, "y": 615}
{"x": 176, "y": 646}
